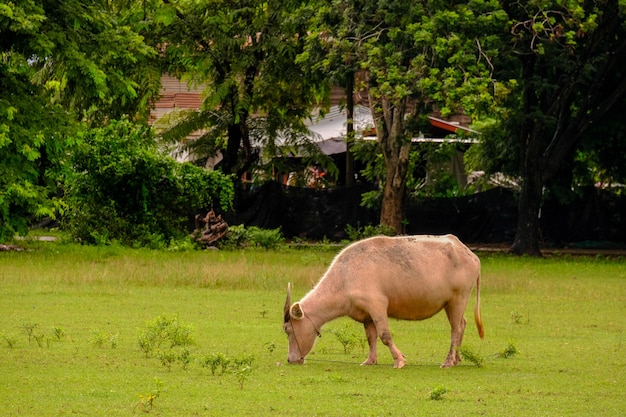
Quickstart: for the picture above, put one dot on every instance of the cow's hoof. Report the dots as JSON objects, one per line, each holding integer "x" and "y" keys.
{"x": 399, "y": 363}
{"x": 369, "y": 362}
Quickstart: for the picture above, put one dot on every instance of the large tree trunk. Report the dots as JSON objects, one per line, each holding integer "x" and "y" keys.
{"x": 396, "y": 148}
{"x": 528, "y": 235}
{"x": 231, "y": 154}
{"x": 349, "y": 130}
{"x": 239, "y": 155}
{"x": 392, "y": 209}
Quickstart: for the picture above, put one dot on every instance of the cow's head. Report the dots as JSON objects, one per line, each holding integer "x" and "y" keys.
{"x": 301, "y": 333}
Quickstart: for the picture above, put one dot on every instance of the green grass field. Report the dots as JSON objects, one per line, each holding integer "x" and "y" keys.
{"x": 71, "y": 318}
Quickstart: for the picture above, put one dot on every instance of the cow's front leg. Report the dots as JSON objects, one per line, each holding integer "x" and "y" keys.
{"x": 382, "y": 327}
{"x": 372, "y": 337}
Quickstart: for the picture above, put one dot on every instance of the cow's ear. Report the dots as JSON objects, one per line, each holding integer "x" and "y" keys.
{"x": 296, "y": 311}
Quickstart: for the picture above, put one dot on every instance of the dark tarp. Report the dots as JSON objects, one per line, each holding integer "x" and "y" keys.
{"x": 486, "y": 217}
{"x": 302, "y": 212}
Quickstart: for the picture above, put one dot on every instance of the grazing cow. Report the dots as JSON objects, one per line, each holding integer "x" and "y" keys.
{"x": 405, "y": 277}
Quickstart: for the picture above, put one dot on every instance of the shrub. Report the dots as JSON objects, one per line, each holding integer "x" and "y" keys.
{"x": 358, "y": 233}
{"x": 165, "y": 331}
{"x": 472, "y": 357}
{"x": 347, "y": 338}
{"x": 266, "y": 238}
{"x": 239, "y": 237}
{"x": 437, "y": 393}
{"x": 124, "y": 188}
{"x": 509, "y": 352}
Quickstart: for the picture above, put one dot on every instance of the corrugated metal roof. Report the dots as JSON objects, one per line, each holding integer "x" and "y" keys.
{"x": 176, "y": 94}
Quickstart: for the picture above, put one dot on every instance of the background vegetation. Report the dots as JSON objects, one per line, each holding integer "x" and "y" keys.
{"x": 123, "y": 187}
{"x": 72, "y": 319}
{"x": 542, "y": 81}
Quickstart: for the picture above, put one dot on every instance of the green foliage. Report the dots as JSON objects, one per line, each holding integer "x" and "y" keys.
{"x": 33, "y": 144}
{"x": 240, "y": 366}
{"x": 123, "y": 188}
{"x": 58, "y": 332}
{"x": 146, "y": 401}
{"x": 30, "y": 329}
{"x": 358, "y": 233}
{"x": 240, "y": 236}
{"x": 101, "y": 339}
{"x": 10, "y": 339}
{"x": 215, "y": 362}
{"x": 266, "y": 238}
{"x": 60, "y": 62}
{"x": 437, "y": 393}
{"x": 508, "y": 352}
{"x": 429, "y": 174}
{"x": 517, "y": 317}
{"x": 167, "y": 357}
{"x": 469, "y": 355}
{"x": 347, "y": 337}
{"x": 249, "y": 78}
{"x": 165, "y": 331}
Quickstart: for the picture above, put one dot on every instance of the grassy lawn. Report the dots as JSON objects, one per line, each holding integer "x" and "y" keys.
{"x": 71, "y": 318}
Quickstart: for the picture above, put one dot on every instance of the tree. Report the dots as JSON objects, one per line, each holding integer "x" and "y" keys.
{"x": 330, "y": 56}
{"x": 570, "y": 63}
{"x": 600, "y": 157}
{"x": 61, "y": 63}
{"x": 244, "y": 53}
{"x": 415, "y": 56}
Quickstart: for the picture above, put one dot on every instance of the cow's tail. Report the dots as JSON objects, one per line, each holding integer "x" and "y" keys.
{"x": 477, "y": 317}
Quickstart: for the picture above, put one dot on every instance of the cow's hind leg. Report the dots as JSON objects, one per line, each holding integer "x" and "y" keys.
{"x": 457, "y": 329}
{"x": 382, "y": 327}
{"x": 372, "y": 337}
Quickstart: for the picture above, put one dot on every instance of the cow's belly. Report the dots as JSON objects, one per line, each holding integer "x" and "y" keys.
{"x": 416, "y": 311}
{"x": 401, "y": 308}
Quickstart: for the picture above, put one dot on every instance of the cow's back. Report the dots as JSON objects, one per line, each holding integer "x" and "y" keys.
{"x": 415, "y": 275}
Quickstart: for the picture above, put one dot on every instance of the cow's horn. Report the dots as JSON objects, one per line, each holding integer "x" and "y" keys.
{"x": 287, "y": 302}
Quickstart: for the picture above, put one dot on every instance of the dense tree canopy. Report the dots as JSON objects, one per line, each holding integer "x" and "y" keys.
{"x": 567, "y": 60}
{"x": 544, "y": 80}
{"x": 61, "y": 63}
{"x": 415, "y": 57}
{"x": 244, "y": 53}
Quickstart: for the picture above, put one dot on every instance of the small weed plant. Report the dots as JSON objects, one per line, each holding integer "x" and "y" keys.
{"x": 58, "y": 333}
{"x": 40, "y": 338}
{"x": 509, "y": 352}
{"x": 101, "y": 339}
{"x": 347, "y": 337}
{"x": 240, "y": 366}
{"x": 146, "y": 401}
{"x": 518, "y": 318}
{"x": 215, "y": 362}
{"x": 30, "y": 329}
{"x": 437, "y": 393}
{"x": 471, "y": 356}
{"x": 169, "y": 332}
{"x": 10, "y": 339}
